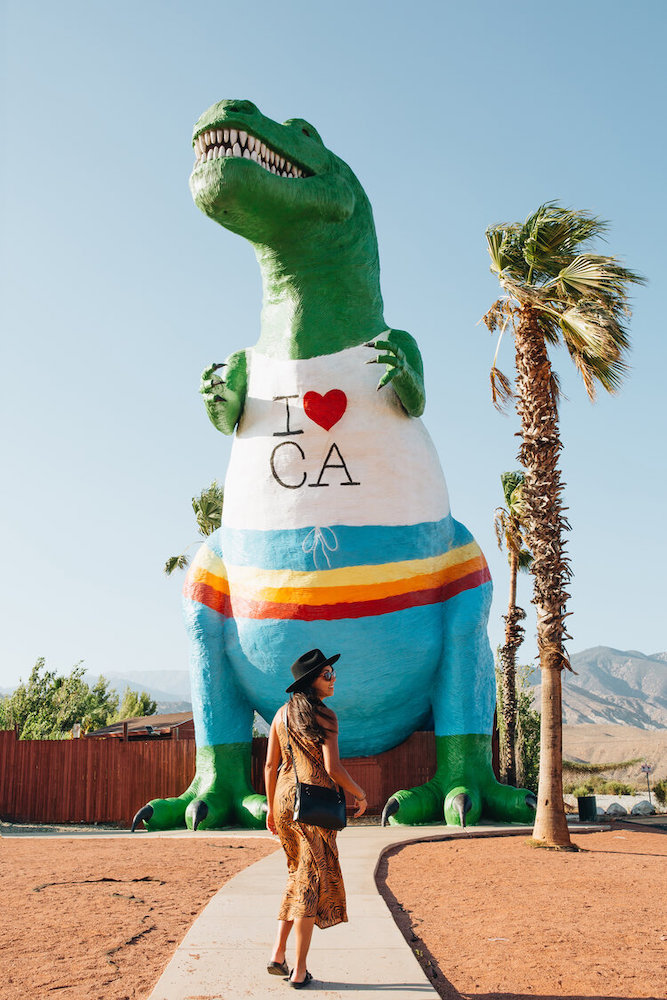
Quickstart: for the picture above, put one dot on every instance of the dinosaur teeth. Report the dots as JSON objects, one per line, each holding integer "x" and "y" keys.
{"x": 221, "y": 142}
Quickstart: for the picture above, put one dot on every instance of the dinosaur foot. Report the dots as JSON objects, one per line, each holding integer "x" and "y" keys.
{"x": 463, "y": 790}
{"x": 430, "y": 803}
{"x": 219, "y": 796}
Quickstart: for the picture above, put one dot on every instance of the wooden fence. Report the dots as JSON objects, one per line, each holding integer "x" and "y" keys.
{"x": 107, "y": 781}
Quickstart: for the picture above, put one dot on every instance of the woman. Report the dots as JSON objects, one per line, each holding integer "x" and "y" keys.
{"x": 315, "y": 893}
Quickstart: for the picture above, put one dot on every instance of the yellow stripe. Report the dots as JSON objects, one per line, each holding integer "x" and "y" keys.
{"x": 362, "y": 592}
{"x": 197, "y": 575}
{"x": 208, "y": 561}
{"x": 280, "y": 579}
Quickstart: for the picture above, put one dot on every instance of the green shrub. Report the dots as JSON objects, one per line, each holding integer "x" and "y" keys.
{"x": 660, "y": 791}
{"x": 599, "y": 786}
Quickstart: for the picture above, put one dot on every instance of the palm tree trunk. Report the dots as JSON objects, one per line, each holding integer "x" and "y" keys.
{"x": 545, "y": 525}
{"x": 513, "y": 639}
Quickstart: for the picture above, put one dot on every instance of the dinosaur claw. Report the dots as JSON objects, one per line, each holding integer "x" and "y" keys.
{"x": 199, "y": 811}
{"x": 462, "y": 803}
{"x": 144, "y": 813}
{"x": 531, "y": 800}
{"x": 391, "y": 807}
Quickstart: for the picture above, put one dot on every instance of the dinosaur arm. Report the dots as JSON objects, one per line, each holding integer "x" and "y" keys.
{"x": 224, "y": 390}
{"x": 405, "y": 369}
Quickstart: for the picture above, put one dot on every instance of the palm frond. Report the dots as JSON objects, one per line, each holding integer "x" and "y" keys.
{"x": 511, "y": 481}
{"x": 596, "y": 371}
{"x": 176, "y": 562}
{"x": 553, "y": 234}
{"x": 495, "y": 317}
{"x": 208, "y": 508}
{"x": 504, "y": 247}
{"x": 549, "y": 325}
{"x": 499, "y": 525}
{"x": 591, "y": 330}
{"x": 593, "y": 275}
{"x": 501, "y": 389}
{"x": 525, "y": 560}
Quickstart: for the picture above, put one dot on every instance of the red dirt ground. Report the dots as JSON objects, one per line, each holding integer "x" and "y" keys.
{"x": 498, "y": 920}
{"x": 100, "y": 919}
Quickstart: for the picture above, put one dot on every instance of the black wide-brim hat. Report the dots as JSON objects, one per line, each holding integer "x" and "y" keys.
{"x": 308, "y": 666}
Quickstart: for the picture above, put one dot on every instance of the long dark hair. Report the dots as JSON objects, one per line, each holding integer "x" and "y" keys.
{"x": 305, "y": 711}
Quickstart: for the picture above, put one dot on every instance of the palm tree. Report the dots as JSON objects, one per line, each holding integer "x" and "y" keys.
{"x": 508, "y": 522}
{"x": 554, "y": 287}
{"x": 208, "y": 514}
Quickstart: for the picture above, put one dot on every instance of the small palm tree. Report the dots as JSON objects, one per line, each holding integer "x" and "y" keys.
{"x": 508, "y": 522}
{"x": 555, "y": 288}
{"x": 208, "y": 513}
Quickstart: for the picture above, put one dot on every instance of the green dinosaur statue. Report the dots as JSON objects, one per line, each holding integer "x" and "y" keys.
{"x": 336, "y": 531}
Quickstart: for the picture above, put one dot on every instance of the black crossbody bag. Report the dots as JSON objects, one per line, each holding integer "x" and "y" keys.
{"x": 315, "y": 804}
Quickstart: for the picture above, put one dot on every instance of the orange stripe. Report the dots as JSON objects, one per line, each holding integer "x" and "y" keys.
{"x": 202, "y": 576}
{"x": 364, "y": 592}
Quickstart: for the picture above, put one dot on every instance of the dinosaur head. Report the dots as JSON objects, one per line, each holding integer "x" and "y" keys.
{"x": 273, "y": 183}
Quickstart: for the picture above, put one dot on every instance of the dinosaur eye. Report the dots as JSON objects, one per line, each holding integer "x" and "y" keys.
{"x": 305, "y": 131}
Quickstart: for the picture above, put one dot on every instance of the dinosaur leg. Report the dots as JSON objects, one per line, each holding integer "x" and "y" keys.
{"x": 464, "y": 787}
{"x": 220, "y": 793}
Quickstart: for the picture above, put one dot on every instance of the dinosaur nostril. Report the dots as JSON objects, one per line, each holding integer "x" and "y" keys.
{"x": 242, "y": 107}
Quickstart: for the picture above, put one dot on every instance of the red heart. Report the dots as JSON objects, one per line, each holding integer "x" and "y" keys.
{"x": 325, "y": 410}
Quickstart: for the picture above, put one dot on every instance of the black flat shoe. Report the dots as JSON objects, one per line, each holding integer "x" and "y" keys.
{"x": 304, "y": 982}
{"x": 278, "y": 968}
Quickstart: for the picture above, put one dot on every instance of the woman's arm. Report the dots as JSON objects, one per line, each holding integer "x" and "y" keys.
{"x": 271, "y": 771}
{"x": 335, "y": 769}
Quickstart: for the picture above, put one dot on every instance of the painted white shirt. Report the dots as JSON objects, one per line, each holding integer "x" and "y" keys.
{"x": 374, "y": 464}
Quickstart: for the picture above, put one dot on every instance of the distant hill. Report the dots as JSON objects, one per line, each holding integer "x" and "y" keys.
{"x": 613, "y": 686}
{"x": 169, "y": 688}
{"x": 603, "y": 743}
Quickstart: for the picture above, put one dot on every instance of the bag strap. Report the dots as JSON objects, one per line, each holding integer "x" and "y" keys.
{"x": 289, "y": 746}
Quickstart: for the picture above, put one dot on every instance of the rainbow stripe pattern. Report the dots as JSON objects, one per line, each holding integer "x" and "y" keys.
{"x": 334, "y": 573}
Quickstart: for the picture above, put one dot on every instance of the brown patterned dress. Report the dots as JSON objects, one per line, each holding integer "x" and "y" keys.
{"x": 314, "y": 881}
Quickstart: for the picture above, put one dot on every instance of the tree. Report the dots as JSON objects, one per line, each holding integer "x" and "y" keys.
{"x": 510, "y": 534}
{"x": 134, "y": 706}
{"x": 527, "y": 742}
{"x": 554, "y": 287}
{"x": 208, "y": 514}
{"x": 47, "y": 706}
{"x": 527, "y": 732}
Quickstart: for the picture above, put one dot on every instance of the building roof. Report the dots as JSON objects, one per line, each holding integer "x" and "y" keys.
{"x": 159, "y": 723}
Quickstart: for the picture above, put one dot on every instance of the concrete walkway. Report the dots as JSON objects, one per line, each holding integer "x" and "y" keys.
{"x": 224, "y": 954}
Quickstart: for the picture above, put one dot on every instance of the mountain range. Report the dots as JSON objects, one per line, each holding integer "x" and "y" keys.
{"x": 613, "y": 686}
{"x": 169, "y": 688}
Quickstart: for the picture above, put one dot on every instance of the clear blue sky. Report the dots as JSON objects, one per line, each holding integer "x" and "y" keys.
{"x": 117, "y": 291}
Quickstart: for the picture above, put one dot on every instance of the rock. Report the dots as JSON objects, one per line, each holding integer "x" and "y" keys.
{"x": 643, "y": 808}
{"x": 600, "y": 811}
{"x": 616, "y": 809}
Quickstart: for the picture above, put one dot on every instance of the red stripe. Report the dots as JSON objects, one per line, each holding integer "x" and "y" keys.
{"x": 203, "y": 593}
{"x": 240, "y": 608}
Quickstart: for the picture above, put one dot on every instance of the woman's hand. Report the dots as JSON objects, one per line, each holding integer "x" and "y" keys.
{"x": 361, "y": 805}
{"x": 270, "y": 823}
